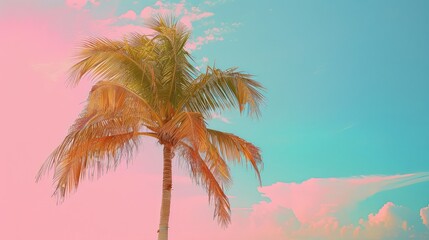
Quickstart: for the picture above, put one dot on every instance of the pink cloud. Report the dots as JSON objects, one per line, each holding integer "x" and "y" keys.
{"x": 78, "y": 4}
{"x": 313, "y": 209}
{"x": 269, "y": 221}
{"x": 212, "y": 34}
{"x": 147, "y": 12}
{"x": 129, "y": 15}
{"x": 424, "y": 214}
{"x": 186, "y": 15}
{"x": 179, "y": 8}
{"x": 317, "y": 198}
{"x": 388, "y": 223}
{"x": 200, "y": 41}
{"x": 95, "y": 2}
{"x": 191, "y": 17}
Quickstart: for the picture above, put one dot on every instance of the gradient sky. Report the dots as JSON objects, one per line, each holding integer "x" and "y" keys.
{"x": 344, "y": 132}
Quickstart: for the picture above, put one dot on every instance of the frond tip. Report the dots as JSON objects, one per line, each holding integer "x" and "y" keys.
{"x": 236, "y": 149}
{"x": 203, "y": 175}
{"x": 219, "y": 90}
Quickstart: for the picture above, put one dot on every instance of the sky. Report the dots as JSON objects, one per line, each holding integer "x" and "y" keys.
{"x": 343, "y": 131}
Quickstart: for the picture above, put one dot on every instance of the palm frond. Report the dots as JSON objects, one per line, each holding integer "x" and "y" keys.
{"x": 177, "y": 71}
{"x": 217, "y": 165}
{"x": 107, "y": 129}
{"x": 130, "y": 62}
{"x": 219, "y": 90}
{"x": 110, "y": 98}
{"x": 203, "y": 175}
{"x": 95, "y": 148}
{"x": 185, "y": 126}
{"x": 233, "y": 148}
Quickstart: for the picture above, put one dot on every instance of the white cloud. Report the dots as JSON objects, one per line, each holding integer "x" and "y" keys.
{"x": 220, "y": 117}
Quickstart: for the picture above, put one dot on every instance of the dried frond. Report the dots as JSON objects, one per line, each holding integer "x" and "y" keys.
{"x": 109, "y": 98}
{"x": 219, "y": 90}
{"x": 217, "y": 165}
{"x": 95, "y": 148}
{"x": 107, "y": 130}
{"x": 233, "y": 148}
{"x": 203, "y": 175}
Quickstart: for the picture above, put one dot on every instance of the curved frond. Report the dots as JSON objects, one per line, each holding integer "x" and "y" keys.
{"x": 233, "y": 148}
{"x": 203, "y": 175}
{"x": 219, "y": 90}
{"x": 95, "y": 148}
{"x": 217, "y": 165}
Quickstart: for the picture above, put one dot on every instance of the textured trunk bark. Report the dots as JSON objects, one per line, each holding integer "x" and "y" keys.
{"x": 166, "y": 194}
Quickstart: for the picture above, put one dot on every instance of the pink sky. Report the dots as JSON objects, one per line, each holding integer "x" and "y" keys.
{"x": 38, "y": 109}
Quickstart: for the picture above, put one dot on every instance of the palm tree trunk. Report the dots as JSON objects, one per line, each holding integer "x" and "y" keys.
{"x": 166, "y": 193}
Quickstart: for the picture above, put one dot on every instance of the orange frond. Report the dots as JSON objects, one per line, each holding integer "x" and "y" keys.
{"x": 233, "y": 148}
{"x": 203, "y": 175}
{"x": 185, "y": 126}
{"x": 107, "y": 129}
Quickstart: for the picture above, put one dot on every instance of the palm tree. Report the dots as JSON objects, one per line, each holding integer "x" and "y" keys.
{"x": 146, "y": 86}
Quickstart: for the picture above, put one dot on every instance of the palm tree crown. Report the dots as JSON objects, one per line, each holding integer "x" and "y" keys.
{"x": 147, "y": 86}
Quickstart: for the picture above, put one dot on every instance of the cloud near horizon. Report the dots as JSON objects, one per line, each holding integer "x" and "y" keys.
{"x": 314, "y": 208}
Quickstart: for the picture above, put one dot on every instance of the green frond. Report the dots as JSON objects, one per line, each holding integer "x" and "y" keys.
{"x": 130, "y": 62}
{"x": 177, "y": 71}
{"x": 219, "y": 90}
{"x": 203, "y": 175}
{"x": 236, "y": 149}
